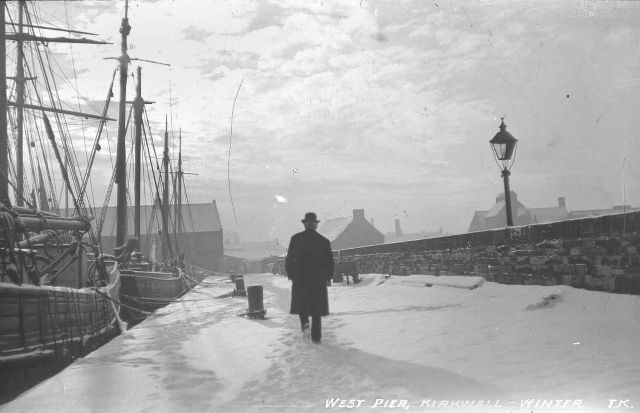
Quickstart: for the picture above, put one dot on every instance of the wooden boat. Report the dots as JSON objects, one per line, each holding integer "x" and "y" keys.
{"x": 53, "y": 306}
{"x": 43, "y": 329}
{"x": 144, "y": 290}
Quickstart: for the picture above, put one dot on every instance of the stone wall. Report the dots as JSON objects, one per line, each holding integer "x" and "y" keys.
{"x": 599, "y": 253}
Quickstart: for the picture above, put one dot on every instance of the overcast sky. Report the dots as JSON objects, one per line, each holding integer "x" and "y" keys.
{"x": 381, "y": 105}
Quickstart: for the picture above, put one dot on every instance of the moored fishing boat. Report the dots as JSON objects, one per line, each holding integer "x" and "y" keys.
{"x": 55, "y": 306}
{"x": 146, "y": 284}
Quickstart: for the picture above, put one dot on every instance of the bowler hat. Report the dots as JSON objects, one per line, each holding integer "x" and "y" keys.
{"x": 310, "y": 217}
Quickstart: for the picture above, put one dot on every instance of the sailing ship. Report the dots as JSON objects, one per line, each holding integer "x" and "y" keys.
{"x": 149, "y": 284}
{"x": 60, "y": 294}
{"x": 146, "y": 284}
{"x": 55, "y": 305}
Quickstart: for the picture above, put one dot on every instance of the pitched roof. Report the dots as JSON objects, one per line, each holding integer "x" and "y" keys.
{"x": 478, "y": 221}
{"x": 550, "y": 214}
{"x": 332, "y": 228}
{"x": 495, "y": 209}
{"x": 519, "y": 209}
{"x": 195, "y": 217}
{"x": 391, "y": 237}
{"x": 605, "y": 211}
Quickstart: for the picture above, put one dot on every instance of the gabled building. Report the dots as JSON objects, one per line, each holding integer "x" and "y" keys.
{"x": 616, "y": 209}
{"x": 550, "y": 214}
{"x": 400, "y": 236}
{"x": 350, "y": 232}
{"x": 496, "y": 217}
{"x": 200, "y": 238}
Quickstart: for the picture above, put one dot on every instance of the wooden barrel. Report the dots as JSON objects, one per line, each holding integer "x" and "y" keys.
{"x": 254, "y": 293}
{"x": 239, "y": 284}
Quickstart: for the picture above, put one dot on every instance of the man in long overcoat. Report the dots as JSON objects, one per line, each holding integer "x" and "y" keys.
{"x": 309, "y": 266}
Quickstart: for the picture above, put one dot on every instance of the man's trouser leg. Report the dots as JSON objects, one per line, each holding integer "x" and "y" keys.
{"x": 316, "y": 328}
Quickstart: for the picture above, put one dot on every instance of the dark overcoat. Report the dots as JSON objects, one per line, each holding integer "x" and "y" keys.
{"x": 309, "y": 266}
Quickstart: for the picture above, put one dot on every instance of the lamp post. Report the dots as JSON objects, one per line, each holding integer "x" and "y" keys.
{"x": 504, "y": 146}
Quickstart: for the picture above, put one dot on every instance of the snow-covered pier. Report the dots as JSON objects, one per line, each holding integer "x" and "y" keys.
{"x": 417, "y": 343}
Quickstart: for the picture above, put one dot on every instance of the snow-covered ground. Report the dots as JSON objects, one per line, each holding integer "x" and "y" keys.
{"x": 438, "y": 343}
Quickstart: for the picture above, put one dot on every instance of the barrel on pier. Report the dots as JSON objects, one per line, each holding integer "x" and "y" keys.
{"x": 239, "y": 284}
{"x": 256, "y": 306}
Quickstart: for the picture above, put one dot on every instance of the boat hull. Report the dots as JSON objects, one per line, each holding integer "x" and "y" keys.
{"x": 143, "y": 292}
{"x": 43, "y": 329}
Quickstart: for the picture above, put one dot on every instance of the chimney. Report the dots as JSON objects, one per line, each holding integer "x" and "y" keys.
{"x": 562, "y": 202}
{"x": 398, "y": 229}
{"x": 358, "y": 214}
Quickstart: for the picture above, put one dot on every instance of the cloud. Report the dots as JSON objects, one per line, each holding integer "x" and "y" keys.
{"x": 195, "y": 34}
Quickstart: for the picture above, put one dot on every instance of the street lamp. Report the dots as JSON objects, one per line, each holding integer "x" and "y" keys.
{"x": 504, "y": 147}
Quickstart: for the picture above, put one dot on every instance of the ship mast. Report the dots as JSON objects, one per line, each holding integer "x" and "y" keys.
{"x": 20, "y": 108}
{"x": 20, "y": 36}
{"x": 165, "y": 194}
{"x": 177, "y": 216}
{"x": 138, "y": 106}
{"x": 4, "y": 138}
{"x": 121, "y": 157}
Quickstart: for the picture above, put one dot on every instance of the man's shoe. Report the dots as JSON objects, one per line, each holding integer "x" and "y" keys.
{"x": 316, "y": 342}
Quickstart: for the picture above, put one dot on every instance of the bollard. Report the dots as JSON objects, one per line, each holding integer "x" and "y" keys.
{"x": 256, "y": 307}
{"x": 239, "y": 290}
{"x": 239, "y": 284}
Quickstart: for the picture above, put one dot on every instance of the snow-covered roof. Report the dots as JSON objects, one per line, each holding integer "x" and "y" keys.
{"x": 195, "y": 218}
{"x": 550, "y": 214}
{"x": 495, "y": 210}
{"x": 332, "y": 228}
{"x": 391, "y": 237}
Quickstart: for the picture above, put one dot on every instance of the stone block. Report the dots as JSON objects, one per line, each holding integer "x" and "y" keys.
{"x": 581, "y": 269}
{"x": 538, "y": 260}
{"x": 598, "y": 251}
{"x": 627, "y": 285}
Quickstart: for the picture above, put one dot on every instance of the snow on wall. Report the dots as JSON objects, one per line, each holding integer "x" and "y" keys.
{"x": 597, "y": 253}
